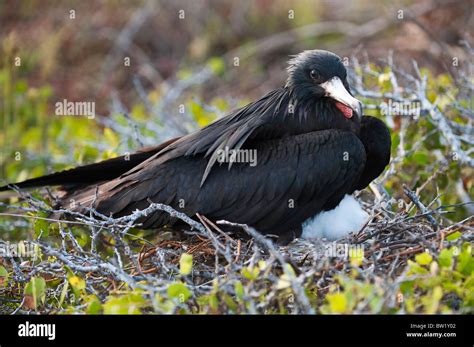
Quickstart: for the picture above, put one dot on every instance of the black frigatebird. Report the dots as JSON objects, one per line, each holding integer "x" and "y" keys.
{"x": 311, "y": 143}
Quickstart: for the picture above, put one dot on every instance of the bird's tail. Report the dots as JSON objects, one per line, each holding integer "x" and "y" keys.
{"x": 90, "y": 174}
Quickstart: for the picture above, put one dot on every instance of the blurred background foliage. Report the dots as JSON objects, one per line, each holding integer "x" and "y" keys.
{"x": 82, "y": 58}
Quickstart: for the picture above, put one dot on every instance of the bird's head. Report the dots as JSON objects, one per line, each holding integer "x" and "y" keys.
{"x": 322, "y": 75}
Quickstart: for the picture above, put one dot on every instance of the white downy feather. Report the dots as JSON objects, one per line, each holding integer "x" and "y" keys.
{"x": 347, "y": 217}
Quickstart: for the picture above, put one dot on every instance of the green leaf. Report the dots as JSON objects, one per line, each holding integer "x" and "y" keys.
{"x": 407, "y": 287}
{"x": 213, "y": 302}
{"x": 465, "y": 260}
{"x": 126, "y": 304}
{"x": 231, "y": 304}
{"x": 453, "y": 236}
{"x": 423, "y": 258}
{"x": 94, "y": 306}
{"x": 445, "y": 258}
{"x": 63, "y": 293}
{"x": 250, "y": 273}
{"x": 337, "y": 302}
{"x": 36, "y": 288}
{"x": 416, "y": 269}
{"x": 186, "y": 264}
{"x": 41, "y": 226}
{"x": 239, "y": 289}
{"x": 179, "y": 291}
{"x": 77, "y": 282}
{"x": 3, "y": 276}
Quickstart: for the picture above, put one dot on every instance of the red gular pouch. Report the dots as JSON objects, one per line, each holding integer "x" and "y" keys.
{"x": 346, "y": 110}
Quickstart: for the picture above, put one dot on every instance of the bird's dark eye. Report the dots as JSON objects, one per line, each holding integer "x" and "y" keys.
{"x": 314, "y": 75}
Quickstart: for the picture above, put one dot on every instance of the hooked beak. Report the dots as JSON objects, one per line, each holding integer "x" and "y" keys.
{"x": 336, "y": 90}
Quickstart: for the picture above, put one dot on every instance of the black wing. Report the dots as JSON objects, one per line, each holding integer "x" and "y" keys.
{"x": 295, "y": 178}
{"x": 231, "y": 131}
{"x": 274, "y": 116}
